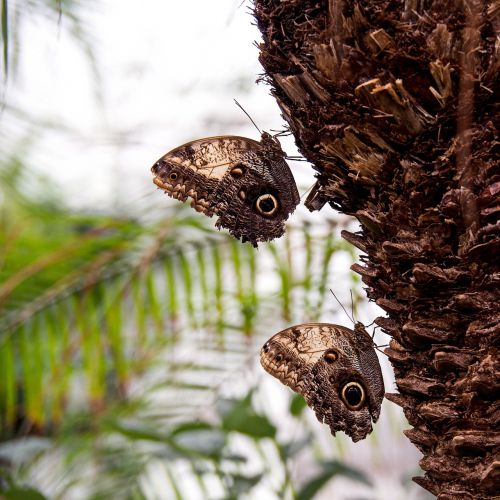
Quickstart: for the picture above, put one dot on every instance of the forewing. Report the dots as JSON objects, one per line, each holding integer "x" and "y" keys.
{"x": 312, "y": 339}
{"x": 212, "y": 156}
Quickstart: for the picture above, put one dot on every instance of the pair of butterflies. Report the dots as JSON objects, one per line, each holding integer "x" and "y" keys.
{"x": 250, "y": 188}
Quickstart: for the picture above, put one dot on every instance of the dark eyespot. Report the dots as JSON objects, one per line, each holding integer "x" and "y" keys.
{"x": 279, "y": 357}
{"x": 331, "y": 356}
{"x": 173, "y": 176}
{"x": 237, "y": 171}
{"x": 266, "y": 205}
{"x": 353, "y": 395}
{"x": 266, "y": 347}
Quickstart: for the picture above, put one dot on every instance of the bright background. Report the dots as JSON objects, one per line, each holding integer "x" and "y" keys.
{"x": 159, "y": 76}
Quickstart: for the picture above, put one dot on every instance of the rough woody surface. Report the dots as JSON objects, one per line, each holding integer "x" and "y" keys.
{"x": 396, "y": 105}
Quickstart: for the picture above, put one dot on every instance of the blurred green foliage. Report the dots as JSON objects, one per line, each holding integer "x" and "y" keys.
{"x": 94, "y": 310}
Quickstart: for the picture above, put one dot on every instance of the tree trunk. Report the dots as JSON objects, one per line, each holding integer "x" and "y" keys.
{"x": 394, "y": 103}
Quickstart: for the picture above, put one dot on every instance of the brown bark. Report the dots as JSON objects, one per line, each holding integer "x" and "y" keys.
{"x": 395, "y": 104}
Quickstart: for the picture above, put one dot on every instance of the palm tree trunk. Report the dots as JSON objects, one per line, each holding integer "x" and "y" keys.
{"x": 394, "y": 103}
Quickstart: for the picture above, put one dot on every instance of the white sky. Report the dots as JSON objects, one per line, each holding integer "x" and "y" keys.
{"x": 169, "y": 72}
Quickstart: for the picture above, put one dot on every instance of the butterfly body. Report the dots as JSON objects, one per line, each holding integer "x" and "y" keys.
{"x": 246, "y": 183}
{"x": 336, "y": 370}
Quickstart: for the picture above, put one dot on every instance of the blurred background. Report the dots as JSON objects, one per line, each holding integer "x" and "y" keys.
{"x": 129, "y": 327}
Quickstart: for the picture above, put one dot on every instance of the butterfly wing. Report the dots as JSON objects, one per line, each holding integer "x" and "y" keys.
{"x": 290, "y": 354}
{"x": 331, "y": 366}
{"x": 246, "y": 183}
{"x": 211, "y": 156}
{"x": 281, "y": 357}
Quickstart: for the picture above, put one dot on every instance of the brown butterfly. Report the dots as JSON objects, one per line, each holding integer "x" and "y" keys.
{"x": 246, "y": 183}
{"x": 336, "y": 370}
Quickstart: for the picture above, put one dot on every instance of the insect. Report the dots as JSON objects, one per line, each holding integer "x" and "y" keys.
{"x": 336, "y": 370}
{"x": 246, "y": 183}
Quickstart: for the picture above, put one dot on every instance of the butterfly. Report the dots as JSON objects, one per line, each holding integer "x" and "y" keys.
{"x": 247, "y": 184}
{"x": 335, "y": 368}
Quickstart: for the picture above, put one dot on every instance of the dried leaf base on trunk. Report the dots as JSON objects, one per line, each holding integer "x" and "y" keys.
{"x": 394, "y": 102}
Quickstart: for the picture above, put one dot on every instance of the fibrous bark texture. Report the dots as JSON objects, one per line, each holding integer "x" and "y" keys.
{"x": 395, "y": 104}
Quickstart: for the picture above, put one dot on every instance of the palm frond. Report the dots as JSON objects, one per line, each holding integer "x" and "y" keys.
{"x": 96, "y": 309}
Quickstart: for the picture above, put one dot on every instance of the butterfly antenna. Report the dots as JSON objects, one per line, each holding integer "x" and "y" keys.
{"x": 249, "y": 117}
{"x": 343, "y": 308}
{"x": 352, "y": 308}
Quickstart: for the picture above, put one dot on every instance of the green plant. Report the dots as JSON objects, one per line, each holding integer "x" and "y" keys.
{"x": 102, "y": 314}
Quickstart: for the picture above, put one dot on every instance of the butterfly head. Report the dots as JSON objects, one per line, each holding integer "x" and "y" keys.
{"x": 272, "y": 146}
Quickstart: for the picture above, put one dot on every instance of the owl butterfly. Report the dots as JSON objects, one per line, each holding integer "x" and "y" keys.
{"x": 246, "y": 183}
{"x": 336, "y": 370}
